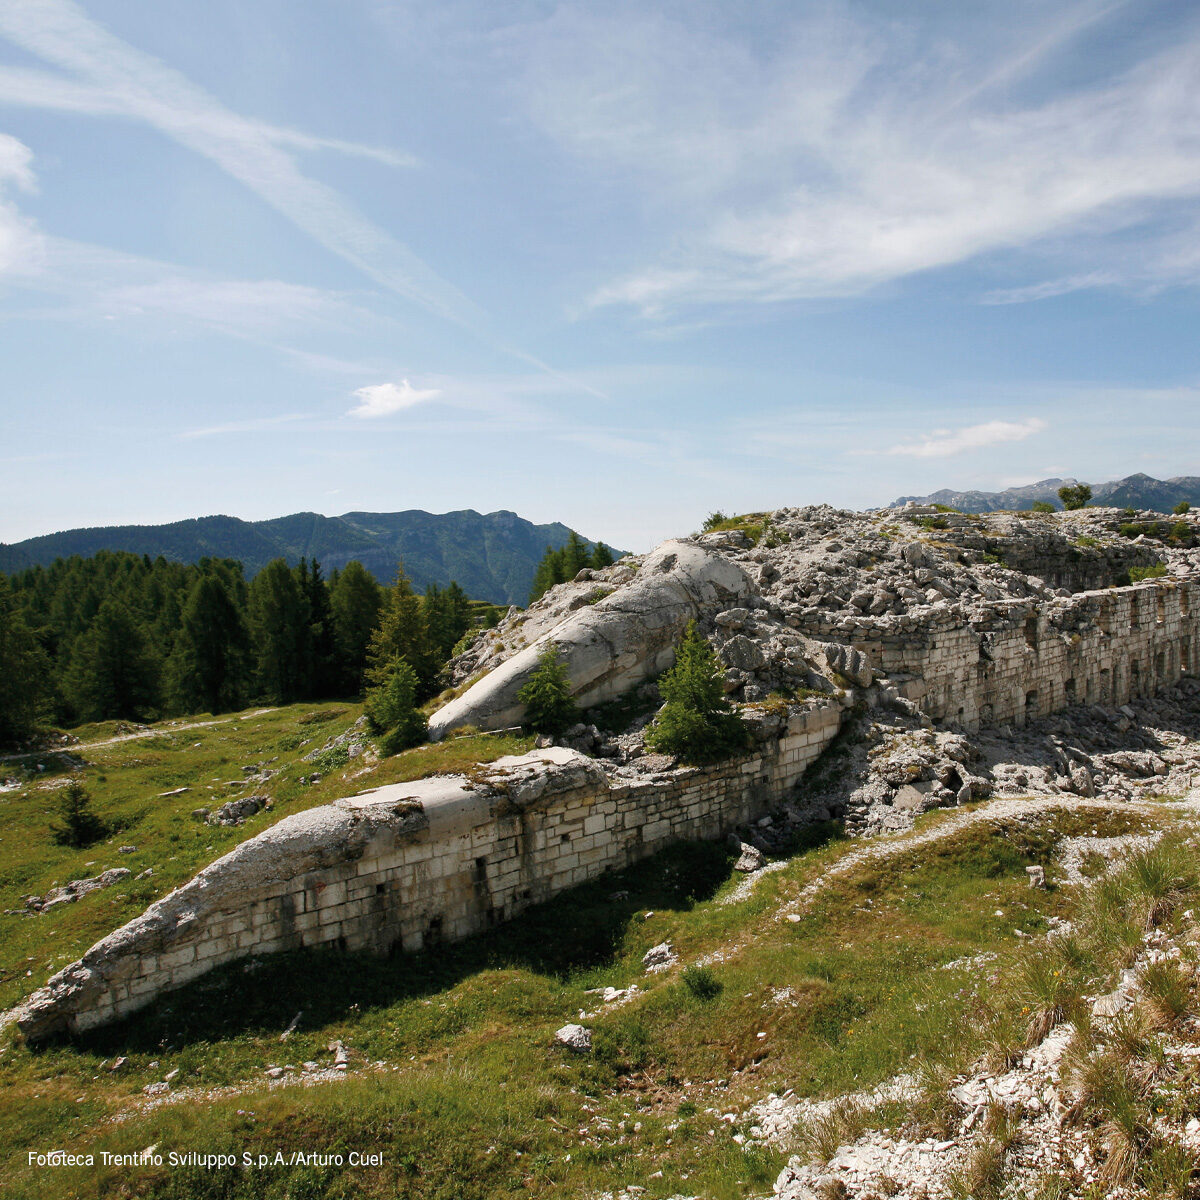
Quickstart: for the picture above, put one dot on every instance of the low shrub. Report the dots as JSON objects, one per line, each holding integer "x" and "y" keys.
{"x": 701, "y": 983}
{"x": 1138, "y": 574}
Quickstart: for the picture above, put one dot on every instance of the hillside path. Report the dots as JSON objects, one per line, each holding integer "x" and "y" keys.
{"x": 156, "y": 731}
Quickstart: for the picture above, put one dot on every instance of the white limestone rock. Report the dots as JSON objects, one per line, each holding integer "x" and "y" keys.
{"x": 610, "y": 646}
{"x": 577, "y": 1038}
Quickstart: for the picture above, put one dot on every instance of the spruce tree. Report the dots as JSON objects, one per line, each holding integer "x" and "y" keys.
{"x": 392, "y": 713}
{"x": 402, "y": 633}
{"x": 80, "y": 826}
{"x": 24, "y": 673}
{"x": 696, "y": 723}
{"x": 549, "y": 705}
{"x": 279, "y": 623}
{"x": 458, "y": 616}
{"x": 575, "y": 557}
{"x": 355, "y": 599}
{"x": 543, "y": 576}
{"x": 209, "y": 667}
{"x": 114, "y": 671}
{"x": 602, "y": 556}
{"x": 322, "y": 665}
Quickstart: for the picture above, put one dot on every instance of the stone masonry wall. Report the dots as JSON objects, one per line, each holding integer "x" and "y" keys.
{"x": 408, "y": 865}
{"x": 1016, "y": 660}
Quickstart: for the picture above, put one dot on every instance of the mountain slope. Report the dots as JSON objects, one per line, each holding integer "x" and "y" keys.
{"x": 493, "y": 556}
{"x": 1134, "y": 491}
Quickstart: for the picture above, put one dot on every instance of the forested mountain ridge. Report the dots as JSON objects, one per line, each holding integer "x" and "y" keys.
{"x": 493, "y": 556}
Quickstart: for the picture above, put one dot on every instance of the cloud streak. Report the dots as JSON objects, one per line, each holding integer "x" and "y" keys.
{"x": 945, "y": 443}
{"x": 111, "y": 77}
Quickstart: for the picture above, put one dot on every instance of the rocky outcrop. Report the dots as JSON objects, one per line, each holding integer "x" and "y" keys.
{"x": 613, "y": 644}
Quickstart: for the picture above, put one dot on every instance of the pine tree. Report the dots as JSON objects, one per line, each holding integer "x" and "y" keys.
{"x": 114, "y": 671}
{"x": 402, "y": 633}
{"x": 602, "y": 556}
{"x": 696, "y": 723}
{"x": 209, "y": 667}
{"x": 549, "y": 705}
{"x": 24, "y": 673}
{"x": 392, "y": 713}
{"x": 355, "y": 600}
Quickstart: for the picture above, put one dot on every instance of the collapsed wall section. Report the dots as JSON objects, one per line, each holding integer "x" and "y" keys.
{"x": 408, "y": 865}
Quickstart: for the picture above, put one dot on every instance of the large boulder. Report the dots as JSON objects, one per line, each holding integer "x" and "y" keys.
{"x": 614, "y": 644}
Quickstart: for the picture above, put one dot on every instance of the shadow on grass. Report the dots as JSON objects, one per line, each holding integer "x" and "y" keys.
{"x": 580, "y": 930}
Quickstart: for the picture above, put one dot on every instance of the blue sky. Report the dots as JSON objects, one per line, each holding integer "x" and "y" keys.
{"x": 611, "y": 264}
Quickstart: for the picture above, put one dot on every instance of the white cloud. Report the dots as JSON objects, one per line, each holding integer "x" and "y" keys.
{"x": 383, "y": 399}
{"x": 943, "y": 443}
{"x": 20, "y": 242}
{"x": 845, "y": 152}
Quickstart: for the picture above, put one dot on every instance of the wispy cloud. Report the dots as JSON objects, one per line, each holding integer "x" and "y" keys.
{"x": 88, "y": 282}
{"x": 43, "y": 89}
{"x": 384, "y": 399}
{"x": 836, "y": 157}
{"x": 944, "y": 443}
{"x": 108, "y": 76}
{"x": 1050, "y": 288}
{"x": 19, "y": 240}
{"x": 254, "y": 425}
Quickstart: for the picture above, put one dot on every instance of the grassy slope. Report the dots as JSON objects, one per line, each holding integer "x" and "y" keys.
{"x": 126, "y": 779}
{"x": 473, "y": 1100}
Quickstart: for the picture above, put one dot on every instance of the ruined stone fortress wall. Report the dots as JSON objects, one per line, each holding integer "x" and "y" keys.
{"x": 1018, "y": 660}
{"x": 408, "y": 865}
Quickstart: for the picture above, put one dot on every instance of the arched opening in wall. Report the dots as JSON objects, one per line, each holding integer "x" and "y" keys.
{"x": 433, "y": 932}
{"x": 1135, "y": 612}
{"x": 1104, "y": 616}
{"x": 986, "y": 714}
{"x": 1031, "y": 705}
{"x": 1160, "y": 607}
{"x": 1185, "y": 655}
{"x": 1031, "y": 631}
{"x": 1135, "y": 678}
{"x": 1069, "y": 691}
{"x": 1106, "y": 692}
{"x": 1160, "y": 667}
